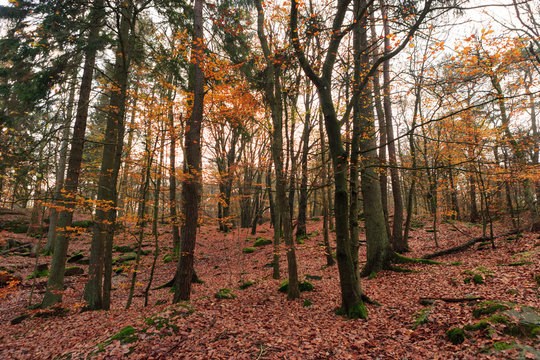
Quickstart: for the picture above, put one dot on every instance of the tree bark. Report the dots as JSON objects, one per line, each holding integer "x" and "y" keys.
{"x": 55, "y": 282}
{"x": 105, "y": 217}
{"x": 191, "y": 187}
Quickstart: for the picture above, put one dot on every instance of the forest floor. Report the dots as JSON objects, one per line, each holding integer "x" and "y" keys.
{"x": 261, "y": 323}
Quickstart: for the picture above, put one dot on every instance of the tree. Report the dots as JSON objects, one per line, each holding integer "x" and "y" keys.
{"x": 191, "y": 187}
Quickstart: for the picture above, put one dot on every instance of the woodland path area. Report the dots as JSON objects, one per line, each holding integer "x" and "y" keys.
{"x": 260, "y": 323}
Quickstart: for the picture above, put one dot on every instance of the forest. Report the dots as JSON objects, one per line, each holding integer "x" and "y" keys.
{"x": 269, "y": 179}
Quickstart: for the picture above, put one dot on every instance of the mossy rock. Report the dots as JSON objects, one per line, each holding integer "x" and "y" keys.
{"x": 74, "y": 270}
{"x": 38, "y": 274}
{"x": 245, "y": 285}
{"x": 498, "y": 347}
{"x": 83, "y": 223}
{"x": 224, "y": 293}
{"x": 481, "y": 325}
{"x": 498, "y": 319}
{"x": 127, "y": 257}
{"x": 488, "y": 308}
{"x": 525, "y": 322}
{"x": 262, "y": 241}
{"x": 456, "y": 335}
{"x": 15, "y": 226}
{"x": 167, "y": 258}
{"x": 248, "y": 250}
{"x": 306, "y": 303}
{"x": 126, "y": 335}
{"x": 305, "y": 286}
{"x": 123, "y": 248}
{"x": 75, "y": 257}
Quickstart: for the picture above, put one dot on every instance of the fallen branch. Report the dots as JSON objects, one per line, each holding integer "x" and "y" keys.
{"x": 465, "y": 246}
{"x": 431, "y": 300}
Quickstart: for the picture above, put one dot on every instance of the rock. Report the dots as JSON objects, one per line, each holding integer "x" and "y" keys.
{"x": 72, "y": 271}
{"x": 19, "y": 319}
{"x": 75, "y": 258}
{"x": 127, "y": 257}
{"x": 124, "y": 248}
{"x": 42, "y": 267}
{"x": 525, "y": 322}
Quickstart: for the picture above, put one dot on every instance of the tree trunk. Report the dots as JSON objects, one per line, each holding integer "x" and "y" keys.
{"x": 399, "y": 243}
{"x": 172, "y": 183}
{"x": 105, "y": 217}
{"x": 303, "y": 197}
{"x": 378, "y": 246}
{"x": 191, "y": 187}
{"x": 273, "y": 96}
{"x": 61, "y": 171}
{"x": 55, "y": 282}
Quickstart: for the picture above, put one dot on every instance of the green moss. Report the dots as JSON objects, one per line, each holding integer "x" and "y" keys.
{"x": 481, "y": 325}
{"x": 456, "y": 335}
{"x": 478, "y": 279}
{"x": 498, "y": 319}
{"x": 307, "y": 303}
{"x": 245, "y": 285}
{"x": 305, "y": 286}
{"x": 502, "y": 345}
{"x": 224, "y": 293}
{"x": 314, "y": 277}
{"x": 302, "y": 238}
{"x": 400, "y": 259}
{"x": 167, "y": 258}
{"x": 126, "y": 335}
{"x": 421, "y": 317}
{"x": 537, "y": 279}
{"x": 358, "y": 311}
{"x": 488, "y": 307}
{"x": 123, "y": 248}
{"x": 456, "y": 263}
{"x": 83, "y": 223}
{"x": 372, "y": 275}
{"x": 520, "y": 263}
{"x": 401, "y": 270}
{"x": 38, "y": 274}
{"x": 261, "y": 241}
{"x": 248, "y": 250}
{"x": 302, "y": 286}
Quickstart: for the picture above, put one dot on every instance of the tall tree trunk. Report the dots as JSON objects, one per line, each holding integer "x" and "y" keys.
{"x": 400, "y": 244}
{"x": 383, "y": 176}
{"x": 273, "y": 96}
{"x": 191, "y": 187}
{"x": 351, "y": 292}
{"x": 378, "y": 246}
{"x": 141, "y": 213}
{"x": 61, "y": 170}
{"x": 157, "y": 189}
{"x": 325, "y": 197}
{"x": 303, "y": 197}
{"x": 172, "y": 182}
{"x": 55, "y": 282}
{"x": 105, "y": 217}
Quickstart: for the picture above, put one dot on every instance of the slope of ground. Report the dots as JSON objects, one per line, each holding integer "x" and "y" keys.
{"x": 260, "y": 323}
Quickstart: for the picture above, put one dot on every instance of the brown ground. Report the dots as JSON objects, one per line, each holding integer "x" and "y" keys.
{"x": 260, "y": 323}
